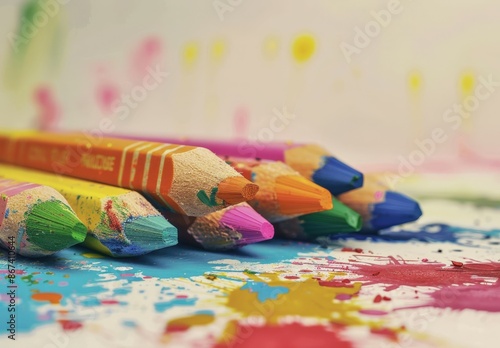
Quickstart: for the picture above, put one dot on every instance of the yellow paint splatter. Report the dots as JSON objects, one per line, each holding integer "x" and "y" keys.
{"x": 467, "y": 83}
{"x": 415, "y": 81}
{"x": 184, "y": 323}
{"x": 308, "y": 298}
{"x": 93, "y": 256}
{"x": 190, "y": 53}
{"x": 303, "y": 48}
{"x": 218, "y": 50}
{"x": 270, "y": 47}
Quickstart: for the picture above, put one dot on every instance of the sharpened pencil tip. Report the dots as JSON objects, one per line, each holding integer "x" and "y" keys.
{"x": 396, "y": 209}
{"x": 53, "y": 226}
{"x": 236, "y": 190}
{"x": 252, "y": 226}
{"x": 298, "y": 196}
{"x": 337, "y": 177}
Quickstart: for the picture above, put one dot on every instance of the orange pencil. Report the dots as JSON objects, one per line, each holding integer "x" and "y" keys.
{"x": 186, "y": 179}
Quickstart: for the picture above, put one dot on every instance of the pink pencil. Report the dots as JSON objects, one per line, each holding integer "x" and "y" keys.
{"x": 229, "y": 228}
{"x": 311, "y": 161}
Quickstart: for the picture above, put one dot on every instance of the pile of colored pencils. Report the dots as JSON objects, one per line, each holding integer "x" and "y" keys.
{"x": 127, "y": 196}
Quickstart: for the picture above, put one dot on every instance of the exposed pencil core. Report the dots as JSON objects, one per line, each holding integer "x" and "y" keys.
{"x": 297, "y": 195}
{"x": 53, "y": 226}
{"x": 236, "y": 189}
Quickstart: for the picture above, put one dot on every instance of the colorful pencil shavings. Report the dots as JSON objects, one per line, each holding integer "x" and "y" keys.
{"x": 283, "y": 192}
{"x": 308, "y": 227}
{"x": 379, "y": 207}
{"x": 36, "y": 220}
{"x": 188, "y": 180}
{"x": 120, "y": 222}
{"x": 229, "y": 228}
{"x": 311, "y": 161}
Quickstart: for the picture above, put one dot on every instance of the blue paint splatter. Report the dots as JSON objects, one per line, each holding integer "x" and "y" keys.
{"x": 163, "y": 306}
{"x": 7, "y": 213}
{"x": 264, "y": 291}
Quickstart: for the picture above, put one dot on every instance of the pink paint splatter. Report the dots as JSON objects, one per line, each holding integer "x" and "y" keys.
{"x": 49, "y": 111}
{"x": 145, "y": 57}
{"x": 241, "y": 120}
{"x": 107, "y": 94}
{"x": 478, "y": 297}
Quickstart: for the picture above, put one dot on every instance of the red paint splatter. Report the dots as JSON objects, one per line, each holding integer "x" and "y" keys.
{"x": 290, "y": 336}
{"x": 292, "y": 277}
{"x": 457, "y": 263}
{"x": 114, "y": 222}
{"x": 425, "y": 260}
{"x": 109, "y": 302}
{"x": 372, "y": 312}
{"x": 241, "y": 119}
{"x": 69, "y": 325}
{"x": 48, "y": 109}
{"x": 377, "y": 299}
{"x": 51, "y": 297}
{"x": 125, "y": 275}
{"x": 354, "y": 250}
{"x": 343, "y": 297}
{"x": 181, "y": 296}
{"x": 146, "y": 56}
{"x": 434, "y": 274}
{"x": 176, "y": 328}
{"x": 387, "y": 333}
{"x": 334, "y": 284}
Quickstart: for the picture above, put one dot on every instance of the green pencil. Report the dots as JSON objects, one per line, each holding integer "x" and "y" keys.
{"x": 311, "y": 226}
{"x": 36, "y": 220}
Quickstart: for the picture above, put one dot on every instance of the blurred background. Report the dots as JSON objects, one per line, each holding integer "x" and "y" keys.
{"x": 373, "y": 81}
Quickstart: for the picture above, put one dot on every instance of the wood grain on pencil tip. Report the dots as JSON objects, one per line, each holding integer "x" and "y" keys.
{"x": 229, "y": 228}
{"x": 186, "y": 179}
{"x": 36, "y": 220}
{"x": 121, "y": 222}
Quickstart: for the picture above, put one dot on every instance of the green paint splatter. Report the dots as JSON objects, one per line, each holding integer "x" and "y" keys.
{"x": 29, "y": 279}
{"x": 52, "y": 226}
{"x": 209, "y": 201}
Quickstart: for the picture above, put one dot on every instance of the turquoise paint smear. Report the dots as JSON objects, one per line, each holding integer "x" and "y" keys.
{"x": 264, "y": 291}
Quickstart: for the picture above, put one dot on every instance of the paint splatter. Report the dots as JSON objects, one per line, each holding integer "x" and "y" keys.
{"x": 185, "y": 323}
{"x": 107, "y": 95}
{"x": 415, "y": 82}
{"x": 290, "y": 335}
{"x": 270, "y": 47}
{"x": 51, "y": 297}
{"x": 218, "y": 51}
{"x": 425, "y": 274}
{"x": 69, "y": 325}
{"x": 303, "y": 48}
{"x": 241, "y": 119}
{"x": 48, "y": 109}
{"x": 190, "y": 54}
{"x": 280, "y": 297}
{"x": 477, "y": 297}
{"x": 146, "y": 57}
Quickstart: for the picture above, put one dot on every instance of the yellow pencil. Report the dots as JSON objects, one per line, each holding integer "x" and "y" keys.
{"x": 121, "y": 222}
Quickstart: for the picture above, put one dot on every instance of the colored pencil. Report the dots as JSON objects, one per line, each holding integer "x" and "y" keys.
{"x": 283, "y": 192}
{"x": 311, "y": 226}
{"x": 36, "y": 220}
{"x": 229, "y": 228}
{"x": 120, "y": 222}
{"x": 188, "y": 180}
{"x": 379, "y": 207}
{"x": 311, "y": 161}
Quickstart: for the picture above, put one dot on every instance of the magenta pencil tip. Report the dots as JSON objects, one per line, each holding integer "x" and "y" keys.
{"x": 252, "y": 226}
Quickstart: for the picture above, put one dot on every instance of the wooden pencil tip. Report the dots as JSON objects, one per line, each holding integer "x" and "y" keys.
{"x": 297, "y": 196}
{"x": 237, "y": 189}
